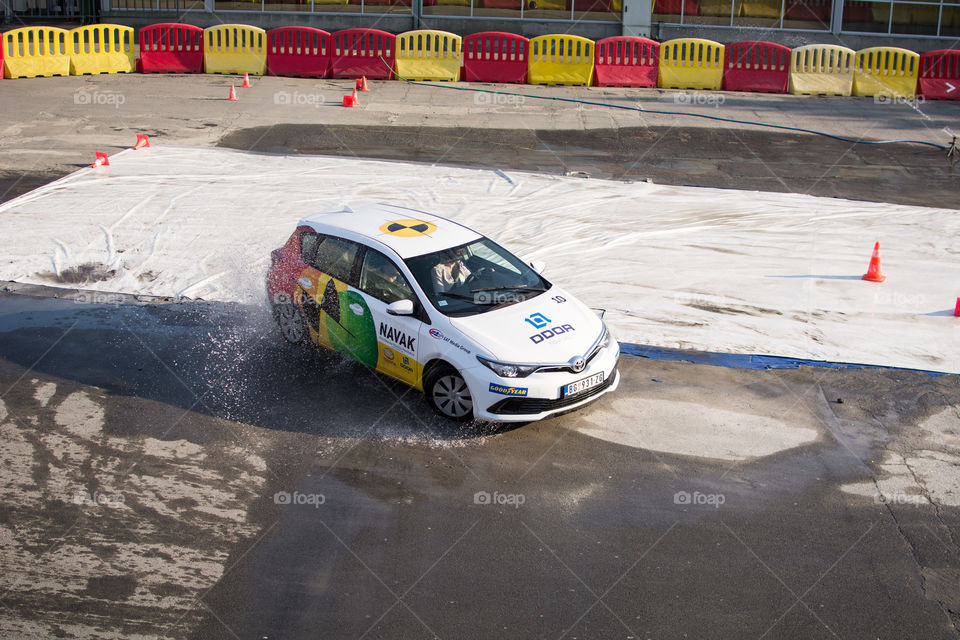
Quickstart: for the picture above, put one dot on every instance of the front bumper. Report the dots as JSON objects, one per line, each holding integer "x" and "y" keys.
{"x": 542, "y": 391}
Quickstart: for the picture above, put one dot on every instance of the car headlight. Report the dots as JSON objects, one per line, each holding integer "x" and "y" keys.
{"x": 507, "y": 369}
{"x": 606, "y": 338}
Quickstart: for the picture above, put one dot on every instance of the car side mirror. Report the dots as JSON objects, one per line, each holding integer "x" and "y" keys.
{"x": 538, "y": 265}
{"x": 400, "y": 308}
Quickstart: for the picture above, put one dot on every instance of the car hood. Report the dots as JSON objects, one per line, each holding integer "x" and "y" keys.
{"x": 539, "y": 330}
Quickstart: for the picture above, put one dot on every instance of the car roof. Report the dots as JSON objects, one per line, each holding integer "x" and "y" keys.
{"x": 409, "y": 232}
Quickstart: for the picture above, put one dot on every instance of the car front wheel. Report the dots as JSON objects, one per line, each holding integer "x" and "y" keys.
{"x": 292, "y": 327}
{"x": 448, "y": 394}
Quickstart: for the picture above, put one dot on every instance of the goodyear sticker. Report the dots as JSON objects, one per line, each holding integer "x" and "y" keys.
{"x": 508, "y": 391}
{"x": 408, "y": 228}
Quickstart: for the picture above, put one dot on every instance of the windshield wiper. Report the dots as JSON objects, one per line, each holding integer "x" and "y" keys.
{"x": 522, "y": 287}
{"x": 472, "y": 299}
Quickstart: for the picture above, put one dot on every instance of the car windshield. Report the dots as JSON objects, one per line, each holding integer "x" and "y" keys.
{"x": 475, "y": 278}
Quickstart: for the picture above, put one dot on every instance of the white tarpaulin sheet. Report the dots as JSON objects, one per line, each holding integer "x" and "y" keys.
{"x": 713, "y": 269}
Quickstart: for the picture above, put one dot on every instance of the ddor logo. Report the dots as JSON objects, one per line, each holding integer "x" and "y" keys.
{"x": 538, "y": 320}
{"x": 553, "y": 332}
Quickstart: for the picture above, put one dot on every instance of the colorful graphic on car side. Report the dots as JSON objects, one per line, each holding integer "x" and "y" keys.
{"x": 339, "y": 319}
{"x": 352, "y": 331}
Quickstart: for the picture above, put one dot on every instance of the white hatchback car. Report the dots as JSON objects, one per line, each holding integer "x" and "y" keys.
{"x": 444, "y": 309}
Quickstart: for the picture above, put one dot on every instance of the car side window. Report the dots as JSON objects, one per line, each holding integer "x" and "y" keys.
{"x": 380, "y": 278}
{"x": 336, "y": 256}
{"x": 308, "y": 244}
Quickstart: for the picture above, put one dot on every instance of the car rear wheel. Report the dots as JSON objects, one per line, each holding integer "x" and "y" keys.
{"x": 292, "y": 327}
{"x": 448, "y": 394}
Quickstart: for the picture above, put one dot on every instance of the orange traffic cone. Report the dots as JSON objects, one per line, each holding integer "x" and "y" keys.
{"x": 102, "y": 160}
{"x": 233, "y": 94}
{"x": 142, "y": 142}
{"x": 956, "y": 310}
{"x": 246, "y": 82}
{"x": 356, "y": 99}
{"x": 362, "y": 84}
{"x": 873, "y": 273}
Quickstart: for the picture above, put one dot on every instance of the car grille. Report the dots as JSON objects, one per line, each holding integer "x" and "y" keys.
{"x": 523, "y": 406}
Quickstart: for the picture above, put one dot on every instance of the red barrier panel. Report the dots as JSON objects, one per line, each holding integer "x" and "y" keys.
{"x": 298, "y": 51}
{"x": 170, "y": 47}
{"x": 753, "y": 65}
{"x": 940, "y": 75}
{"x": 858, "y": 11}
{"x": 495, "y": 56}
{"x": 626, "y": 61}
{"x": 818, "y": 10}
{"x": 674, "y": 7}
{"x": 357, "y": 52}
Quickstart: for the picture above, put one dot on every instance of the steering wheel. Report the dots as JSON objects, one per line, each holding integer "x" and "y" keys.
{"x": 476, "y": 275}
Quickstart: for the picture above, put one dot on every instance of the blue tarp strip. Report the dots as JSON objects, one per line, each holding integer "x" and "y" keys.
{"x": 746, "y": 361}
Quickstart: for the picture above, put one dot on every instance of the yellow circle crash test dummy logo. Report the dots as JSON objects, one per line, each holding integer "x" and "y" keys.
{"x": 409, "y": 228}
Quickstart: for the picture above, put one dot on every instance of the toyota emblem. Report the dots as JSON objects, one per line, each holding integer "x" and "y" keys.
{"x": 577, "y": 364}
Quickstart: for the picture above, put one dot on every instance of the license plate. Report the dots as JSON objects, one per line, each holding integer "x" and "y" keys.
{"x": 582, "y": 385}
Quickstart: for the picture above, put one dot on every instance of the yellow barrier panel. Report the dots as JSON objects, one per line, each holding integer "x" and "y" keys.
{"x": 101, "y": 48}
{"x": 927, "y": 15}
{"x": 881, "y": 13}
{"x": 821, "y": 69}
{"x": 426, "y": 54}
{"x": 721, "y": 8}
{"x": 235, "y": 48}
{"x": 762, "y": 8}
{"x": 690, "y": 63}
{"x": 560, "y": 59}
{"x": 33, "y": 52}
{"x": 885, "y": 71}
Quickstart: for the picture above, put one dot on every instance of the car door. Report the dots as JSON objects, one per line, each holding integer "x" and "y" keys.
{"x": 336, "y": 314}
{"x": 381, "y": 282}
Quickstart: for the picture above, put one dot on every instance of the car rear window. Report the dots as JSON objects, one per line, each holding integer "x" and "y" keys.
{"x": 336, "y": 256}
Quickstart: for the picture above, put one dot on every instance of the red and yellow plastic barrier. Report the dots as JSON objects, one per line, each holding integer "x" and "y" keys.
{"x": 691, "y": 63}
{"x": 885, "y": 71}
{"x": 427, "y": 54}
{"x": 560, "y": 59}
{"x": 822, "y": 69}
{"x": 102, "y": 48}
{"x": 235, "y": 48}
{"x": 32, "y": 52}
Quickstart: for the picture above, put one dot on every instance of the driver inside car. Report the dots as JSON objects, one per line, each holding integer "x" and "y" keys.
{"x": 452, "y": 272}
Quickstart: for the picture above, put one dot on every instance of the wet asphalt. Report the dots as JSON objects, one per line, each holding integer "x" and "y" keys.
{"x": 388, "y": 532}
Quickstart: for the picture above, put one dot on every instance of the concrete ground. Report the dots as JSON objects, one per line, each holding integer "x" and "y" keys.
{"x": 53, "y": 125}
{"x": 174, "y": 470}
